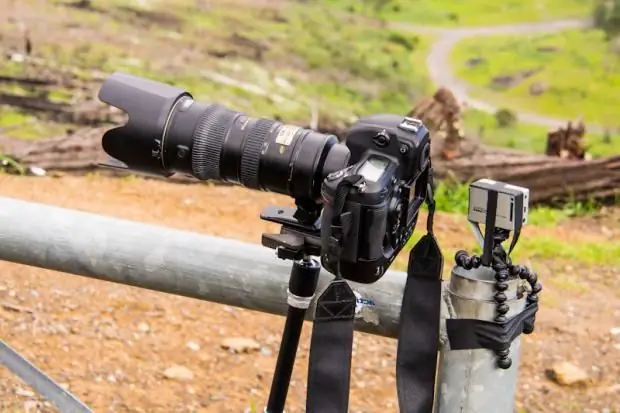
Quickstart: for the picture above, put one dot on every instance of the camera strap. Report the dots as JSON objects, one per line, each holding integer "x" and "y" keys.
{"x": 418, "y": 334}
{"x": 331, "y": 349}
{"x": 331, "y": 345}
{"x": 329, "y": 369}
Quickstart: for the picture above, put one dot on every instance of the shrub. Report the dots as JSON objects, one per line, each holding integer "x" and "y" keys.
{"x": 606, "y": 17}
{"x": 505, "y": 118}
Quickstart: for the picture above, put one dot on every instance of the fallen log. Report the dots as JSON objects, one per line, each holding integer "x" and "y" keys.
{"x": 31, "y": 103}
{"x": 89, "y": 112}
{"x": 28, "y": 81}
{"x": 550, "y": 179}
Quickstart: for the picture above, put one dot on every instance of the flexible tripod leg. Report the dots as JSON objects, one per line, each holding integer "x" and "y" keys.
{"x": 302, "y": 285}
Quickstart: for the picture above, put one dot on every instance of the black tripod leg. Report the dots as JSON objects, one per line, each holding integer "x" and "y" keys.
{"x": 286, "y": 360}
{"x": 302, "y": 285}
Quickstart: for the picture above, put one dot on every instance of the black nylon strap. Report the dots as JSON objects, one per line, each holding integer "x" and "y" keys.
{"x": 489, "y": 227}
{"x": 474, "y": 334}
{"x": 329, "y": 368}
{"x": 331, "y": 348}
{"x": 340, "y": 225}
{"x": 331, "y": 345}
{"x": 418, "y": 334}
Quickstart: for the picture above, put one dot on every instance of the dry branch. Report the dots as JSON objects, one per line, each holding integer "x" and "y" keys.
{"x": 31, "y": 103}
{"x": 28, "y": 81}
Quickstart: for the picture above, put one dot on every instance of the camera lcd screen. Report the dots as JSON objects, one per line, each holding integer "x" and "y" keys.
{"x": 373, "y": 168}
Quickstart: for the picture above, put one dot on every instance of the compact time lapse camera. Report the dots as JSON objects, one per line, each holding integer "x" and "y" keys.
{"x": 500, "y": 207}
{"x": 356, "y": 203}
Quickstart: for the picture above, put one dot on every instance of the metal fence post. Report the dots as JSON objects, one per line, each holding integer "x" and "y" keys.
{"x": 469, "y": 380}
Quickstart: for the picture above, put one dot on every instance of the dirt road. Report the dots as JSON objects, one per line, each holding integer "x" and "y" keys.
{"x": 442, "y": 74}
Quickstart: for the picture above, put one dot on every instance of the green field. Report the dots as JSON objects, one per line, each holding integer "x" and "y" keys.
{"x": 483, "y": 126}
{"x": 528, "y": 137}
{"x": 454, "y": 198}
{"x": 356, "y": 70}
{"x": 577, "y": 71}
{"x": 466, "y": 13}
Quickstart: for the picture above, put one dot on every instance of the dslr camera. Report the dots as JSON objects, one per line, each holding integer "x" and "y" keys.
{"x": 356, "y": 202}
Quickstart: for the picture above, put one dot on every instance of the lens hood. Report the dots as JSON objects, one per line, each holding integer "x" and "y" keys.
{"x": 148, "y": 104}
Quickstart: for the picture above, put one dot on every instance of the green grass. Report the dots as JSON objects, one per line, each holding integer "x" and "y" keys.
{"x": 11, "y": 118}
{"x": 531, "y": 248}
{"x": 453, "y": 198}
{"x": 528, "y": 137}
{"x": 552, "y": 248}
{"x": 466, "y": 13}
{"x": 355, "y": 70}
{"x": 17, "y": 124}
{"x": 580, "y": 73}
{"x": 522, "y": 136}
{"x": 559, "y": 250}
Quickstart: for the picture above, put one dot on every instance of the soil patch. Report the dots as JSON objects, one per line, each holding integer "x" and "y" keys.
{"x": 111, "y": 344}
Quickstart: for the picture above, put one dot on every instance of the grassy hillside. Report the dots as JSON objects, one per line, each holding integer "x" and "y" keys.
{"x": 577, "y": 73}
{"x": 267, "y": 59}
{"x": 531, "y": 138}
{"x": 466, "y": 13}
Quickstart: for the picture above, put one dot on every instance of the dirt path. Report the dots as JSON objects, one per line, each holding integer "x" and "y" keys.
{"x": 110, "y": 344}
{"x": 442, "y": 74}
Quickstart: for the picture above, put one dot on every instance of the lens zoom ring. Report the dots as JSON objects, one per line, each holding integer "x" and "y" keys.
{"x": 209, "y": 141}
{"x": 250, "y": 157}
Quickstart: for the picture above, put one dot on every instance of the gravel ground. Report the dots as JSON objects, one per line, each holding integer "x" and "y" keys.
{"x": 122, "y": 349}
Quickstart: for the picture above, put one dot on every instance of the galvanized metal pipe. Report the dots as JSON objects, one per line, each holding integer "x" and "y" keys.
{"x": 230, "y": 272}
{"x": 178, "y": 262}
{"x": 469, "y": 380}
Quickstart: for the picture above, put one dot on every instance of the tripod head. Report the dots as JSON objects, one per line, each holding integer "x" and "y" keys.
{"x": 296, "y": 239}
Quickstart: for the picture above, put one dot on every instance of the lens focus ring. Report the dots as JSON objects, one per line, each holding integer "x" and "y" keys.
{"x": 209, "y": 140}
{"x": 250, "y": 158}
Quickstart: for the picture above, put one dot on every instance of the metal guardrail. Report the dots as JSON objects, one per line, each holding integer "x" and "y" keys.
{"x": 40, "y": 382}
{"x": 234, "y": 273}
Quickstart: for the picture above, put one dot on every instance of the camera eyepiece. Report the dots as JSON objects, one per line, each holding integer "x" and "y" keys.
{"x": 168, "y": 132}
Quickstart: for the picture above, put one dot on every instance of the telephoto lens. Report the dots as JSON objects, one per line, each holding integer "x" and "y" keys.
{"x": 169, "y": 132}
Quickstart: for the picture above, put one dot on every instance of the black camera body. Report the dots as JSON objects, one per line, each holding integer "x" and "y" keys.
{"x": 379, "y": 206}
